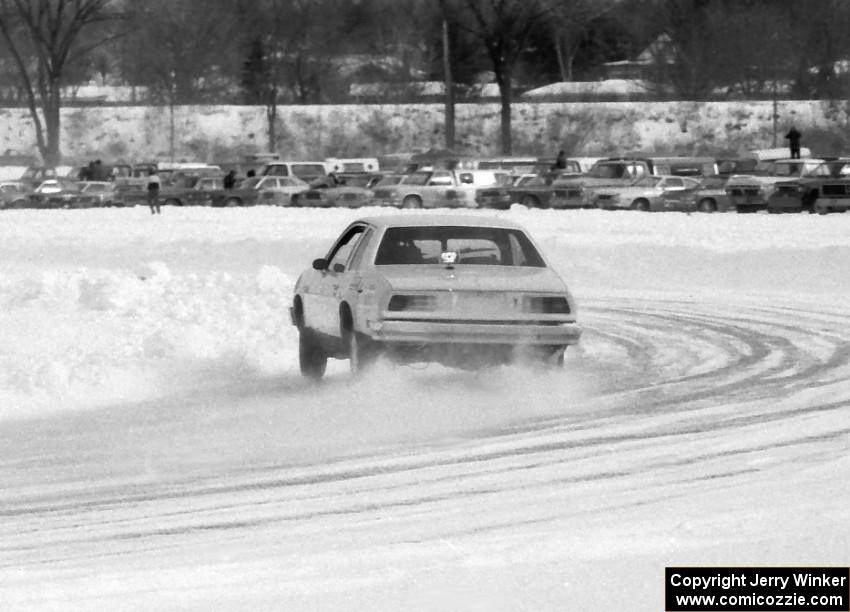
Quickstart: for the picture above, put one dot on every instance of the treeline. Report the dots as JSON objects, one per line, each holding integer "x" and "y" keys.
{"x": 313, "y": 51}
{"x": 271, "y": 52}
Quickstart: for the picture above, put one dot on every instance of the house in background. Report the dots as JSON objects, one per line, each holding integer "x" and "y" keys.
{"x": 660, "y": 51}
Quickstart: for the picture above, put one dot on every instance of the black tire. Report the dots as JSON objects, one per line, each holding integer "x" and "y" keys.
{"x": 707, "y": 205}
{"x": 822, "y": 210}
{"x": 232, "y": 202}
{"x": 312, "y": 359}
{"x": 530, "y": 201}
{"x": 411, "y": 202}
{"x": 640, "y": 204}
{"x": 172, "y": 202}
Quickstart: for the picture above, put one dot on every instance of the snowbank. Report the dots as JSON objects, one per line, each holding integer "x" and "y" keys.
{"x": 104, "y": 306}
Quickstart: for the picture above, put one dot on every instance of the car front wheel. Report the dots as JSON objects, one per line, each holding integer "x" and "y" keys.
{"x": 707, "y": 205}
{"x": 530, "y": 201}
{"x": 312, "y": 359}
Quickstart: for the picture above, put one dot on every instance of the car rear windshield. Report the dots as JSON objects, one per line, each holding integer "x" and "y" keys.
{"x": 488, "y": 246}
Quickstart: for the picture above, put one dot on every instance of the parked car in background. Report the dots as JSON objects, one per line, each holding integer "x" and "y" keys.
{"x": 53, "y": 193}
{"x": 800, "y": 194}
{"x": 650, "y": 193}
{"x": 34, "y": 176}
{"x": 94, "y": 194}
{"x": 750, "y": 192}
{"x": 14, "y": 194}
{"x": 578, "y": 192}
{"x": 833, "y": 196}
{"x": 525, "y": 165}
{"x": 537, "y": 191}
{"x": 307, "y": 171}
{"x": 271, "y": 190}
{"x": 447, "y": 189}
{"x": 349, "y": 190}
{"x": 466, "y": 292}
{"x": 711, "y": 194}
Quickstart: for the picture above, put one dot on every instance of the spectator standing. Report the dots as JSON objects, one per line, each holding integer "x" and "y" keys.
{"x": 229, "y": 180}
{"x": 153, "y": 192}
{"x": 560, "y": 161}
{"x": 99, "y": 172}
{"x": 793, "y": 137}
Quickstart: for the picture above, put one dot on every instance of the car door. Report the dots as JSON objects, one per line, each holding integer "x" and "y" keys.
{"x": 434, "y": 195}
{"x": 673, "y": 191}
{"x": 328, "y": 286}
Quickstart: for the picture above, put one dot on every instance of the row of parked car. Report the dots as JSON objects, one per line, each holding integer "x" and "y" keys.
{"x": 761, "y": 180}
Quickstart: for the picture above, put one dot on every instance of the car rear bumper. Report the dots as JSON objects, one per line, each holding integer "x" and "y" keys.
{"x": 474, "y": 332}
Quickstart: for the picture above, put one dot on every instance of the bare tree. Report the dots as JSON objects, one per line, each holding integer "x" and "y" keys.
{"x": 180, "y": 49}
{"x": 568, "y": 25}
{"x": 504, "y": 28}
{"x": 45, "y": 39}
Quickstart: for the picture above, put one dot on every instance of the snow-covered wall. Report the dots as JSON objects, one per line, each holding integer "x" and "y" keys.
{"x": 223, "y": 133}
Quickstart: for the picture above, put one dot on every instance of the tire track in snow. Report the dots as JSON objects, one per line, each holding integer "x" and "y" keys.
{"x": 693, "y": 393}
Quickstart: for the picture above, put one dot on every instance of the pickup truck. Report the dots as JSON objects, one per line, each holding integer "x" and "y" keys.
{"x": 751, "y": 192}
{"x": 447, "y": 189}
{"x": 580, "y": 192}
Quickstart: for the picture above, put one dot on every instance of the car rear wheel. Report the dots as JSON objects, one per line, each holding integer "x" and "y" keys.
{"x": 548, "y": 357}
{"x": 411, "y": 202}
{"x": 312, "y": 359}
{"x": 362, "y": 352}
{"x": 707, "y": 205}
{"x": 233, "y": 202}
{"x": 172, "y": 202}
{"x": 640, "y": 204}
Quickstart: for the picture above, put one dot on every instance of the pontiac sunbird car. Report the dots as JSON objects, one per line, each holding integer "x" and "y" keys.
{"x": 463, "y": 291}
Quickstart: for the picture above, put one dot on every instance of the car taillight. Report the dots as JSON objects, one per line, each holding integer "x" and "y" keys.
{"x": 412, "y": 302}
{"x": 546, "y": 305}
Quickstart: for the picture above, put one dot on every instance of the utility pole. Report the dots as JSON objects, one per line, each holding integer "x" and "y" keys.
{"x": 171, "y": 94}
{"x": 448, "y": 84}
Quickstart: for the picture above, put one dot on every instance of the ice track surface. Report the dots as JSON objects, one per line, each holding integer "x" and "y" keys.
{"x": 281, "y": 490}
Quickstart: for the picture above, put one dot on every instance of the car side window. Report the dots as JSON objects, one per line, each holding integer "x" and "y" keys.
{"x": 359, "y": 250}
{"x": 344, "y": 247}
{"x": 441, "y": 179}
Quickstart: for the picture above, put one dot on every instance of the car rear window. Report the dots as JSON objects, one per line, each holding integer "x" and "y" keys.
{"x": 308, "y": 170}
{"x": 491, "y": 246}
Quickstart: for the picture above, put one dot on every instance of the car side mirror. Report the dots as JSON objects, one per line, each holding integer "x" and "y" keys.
{"x": 320, "y": 264}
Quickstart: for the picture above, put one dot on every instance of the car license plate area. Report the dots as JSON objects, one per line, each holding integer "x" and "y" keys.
{"x": 480, "y": 304}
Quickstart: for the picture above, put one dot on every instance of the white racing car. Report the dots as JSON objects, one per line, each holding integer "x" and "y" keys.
{"x": 463, "y": 291}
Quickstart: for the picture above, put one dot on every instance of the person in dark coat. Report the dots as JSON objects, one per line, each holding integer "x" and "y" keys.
{"x": 560, "y": 161}
{"x": 153, "y": 192}
{"x": 229, "y": 180}
{"x": 793, "y": 137}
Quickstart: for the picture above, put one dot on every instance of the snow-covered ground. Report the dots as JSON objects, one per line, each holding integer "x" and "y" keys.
{"x": 159, "y": 451}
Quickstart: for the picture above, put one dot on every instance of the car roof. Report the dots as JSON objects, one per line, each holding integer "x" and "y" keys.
{"x": 428, "y": 220}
